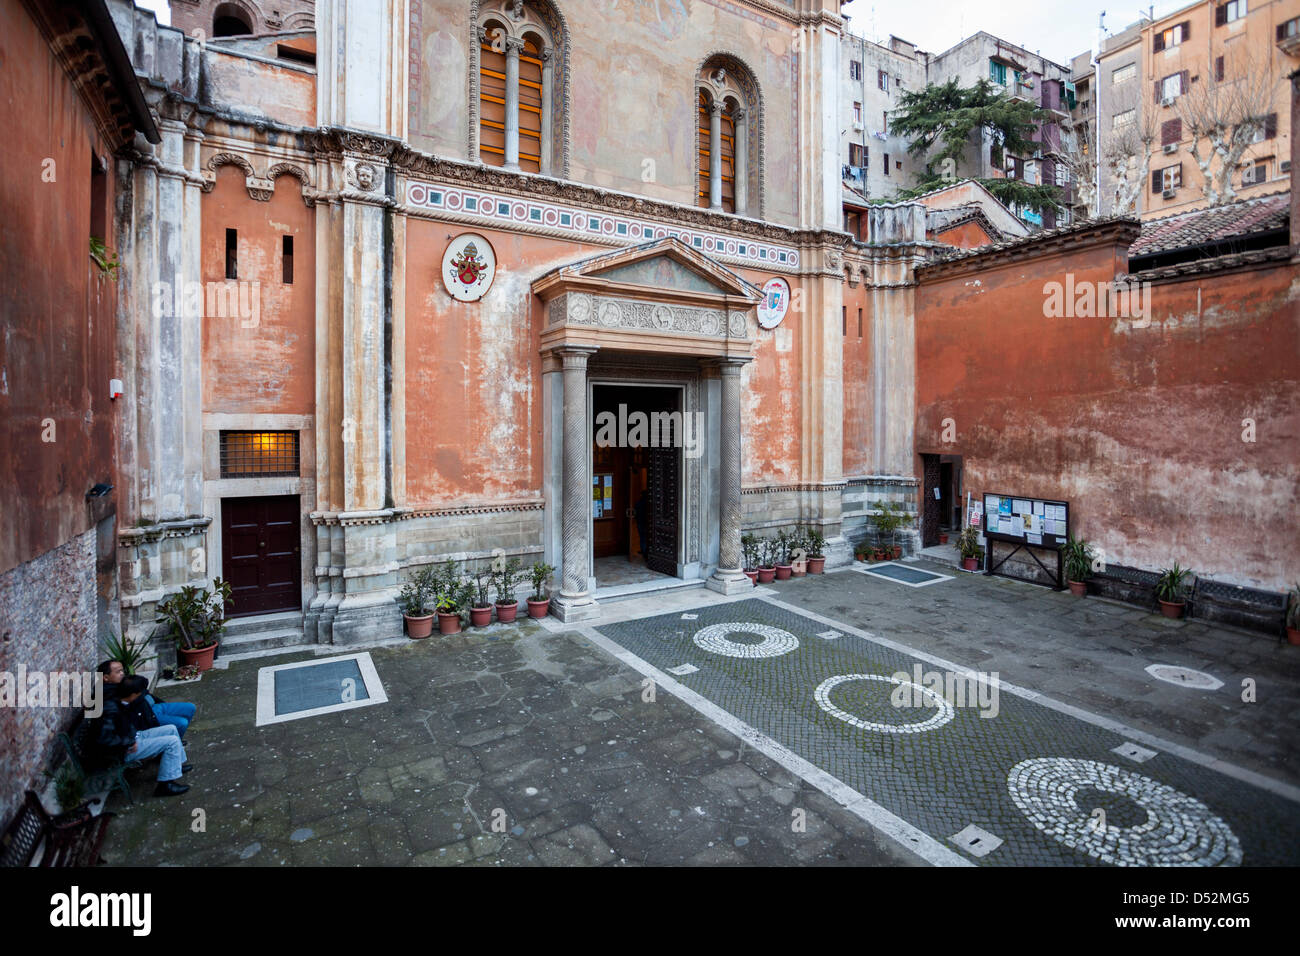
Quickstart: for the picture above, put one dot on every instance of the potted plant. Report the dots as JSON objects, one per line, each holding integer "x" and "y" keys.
{"x": 480, "y": 613}
{"x": 70, "y": 792}
{"x": 943, "y": 537}
{"x": 194, "y": 618}
{"x": 816, "y": 551}
{"x": 798, "y": 552}
{"x": 1078, "y": 556}
{"x": 506, "y": 579}
{"x": 1171, "y": 590}
{"x": 129, "y": 652}
{"x": 766, "y": 561}
{"x": 968, "y": 544}
{"x": 888, "y": 522}
{"x": 539, "y": 605}
{"x": 749, "y": 557}
{"x": 417, "y": 599}
{"x": 449, "y": 600}
{"x": 782, "y": 556}
{"x": 1293, "y": 615}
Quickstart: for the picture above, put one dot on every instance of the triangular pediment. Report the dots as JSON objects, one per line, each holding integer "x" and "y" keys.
{"x": 664, "y": 266}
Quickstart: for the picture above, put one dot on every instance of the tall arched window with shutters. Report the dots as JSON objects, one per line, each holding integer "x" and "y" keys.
{"x": 519, "y": 87}
{"x": 727, "y": 130}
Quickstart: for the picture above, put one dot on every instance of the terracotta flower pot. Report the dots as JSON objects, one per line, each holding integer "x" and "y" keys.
{"x": 539, "y": 608}
{"x": 448, "y": 623}
{"x": 1293, "y": 635}
{"x": 943, "y": 538}
{"x": 201, "y": 656}
{"x": 765, "y": 575}
{"x": 1172, "y": 609}
{"x": 753, "y": 577}
{"x": 880, "y": 554}
{"x": 480, "y": 616}
{"x": 1079, "y": 588}
{"x": 898, "y": 551}
{"x": 506, "y": 613}
{"x": 816, "y": 565}
{"x": 783, "y": 571}
{"x": 970, "y": 564}
{"x": 418, "y": 627}
{"x": 860, "y": 556}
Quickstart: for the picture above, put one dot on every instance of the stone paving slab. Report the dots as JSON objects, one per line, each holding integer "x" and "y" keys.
{"x": 764, "y": 664}
{"x": 508, "y": 746}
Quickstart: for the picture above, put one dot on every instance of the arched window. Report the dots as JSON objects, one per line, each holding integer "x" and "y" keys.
{"x": 520, "y": 87}
{"x": 229, "y": 20}
{"x": 727, "y": 135}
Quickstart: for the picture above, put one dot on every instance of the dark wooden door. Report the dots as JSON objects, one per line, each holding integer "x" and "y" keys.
{"x": 609, "y": 513}
{"x": 930, "y": 504}
{"x": 260, "y": 554}
{"x": 663, "y": 495}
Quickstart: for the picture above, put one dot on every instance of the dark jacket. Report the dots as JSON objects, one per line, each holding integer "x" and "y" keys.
{"x": 111, "y": 735}
{"x": 140, "y": 713}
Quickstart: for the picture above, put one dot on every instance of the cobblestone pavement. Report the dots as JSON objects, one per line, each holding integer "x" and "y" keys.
{"x": 508, "y": 746}
{"x": 1041, "y": 785}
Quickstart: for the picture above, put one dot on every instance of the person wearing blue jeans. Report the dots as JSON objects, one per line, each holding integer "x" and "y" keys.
{"x": 177, "y": 713}
{"x": 115, "y": 739}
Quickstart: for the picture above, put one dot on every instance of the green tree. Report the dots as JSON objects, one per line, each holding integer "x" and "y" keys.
{"x": 943, "y": 120}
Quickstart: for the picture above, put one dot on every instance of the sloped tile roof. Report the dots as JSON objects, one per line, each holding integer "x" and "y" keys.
{"x": 1217, "y": 223}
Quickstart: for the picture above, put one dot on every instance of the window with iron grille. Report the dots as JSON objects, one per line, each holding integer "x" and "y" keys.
{"x": 259, "y": 454}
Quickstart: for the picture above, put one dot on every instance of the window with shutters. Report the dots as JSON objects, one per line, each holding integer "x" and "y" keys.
{"x": 1170, "y": 177}
{"x": 1218, "y": 69}
{"x": 1286, "y": 31}
{"x": 882, "y": 80}
{"x": 520, "y": 88}
{"x": 855, "y": 70}
{"x": 1171, "y": 131}
{"x": 857, "y": 112}
{"x": 998, "y": 72}
{"x": 886, "y": 164}
{"x": 857, "y": 154}
{"x": 1173, "y": 86}
{"x": 1174, "y": 36}
{"x": 1228, "y": 12}
{"x": 1255, "y": 173}
{"x": 1267, "y": 131}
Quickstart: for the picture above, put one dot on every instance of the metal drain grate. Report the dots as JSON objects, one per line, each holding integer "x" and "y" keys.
{"x": 315, "y": 687}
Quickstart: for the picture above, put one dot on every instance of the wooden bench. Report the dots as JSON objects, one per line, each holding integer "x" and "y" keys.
{"x": 74, "y": 841}
{"x": 108, "y": 778}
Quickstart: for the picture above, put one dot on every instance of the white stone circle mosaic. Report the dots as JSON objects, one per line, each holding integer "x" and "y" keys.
{"x": 941, "y": 716}
{"x": 1179, "y": 830}
{"x": 774, "y": 643}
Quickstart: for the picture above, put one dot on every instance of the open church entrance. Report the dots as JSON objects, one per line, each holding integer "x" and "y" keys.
{"x": 636, "y": 482}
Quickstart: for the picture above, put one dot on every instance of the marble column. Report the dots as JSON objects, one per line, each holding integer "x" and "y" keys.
{"x": 729, "y": 578}
{"x": 575, "y": 602}
{"x": 513, "y": 46}
{"x": 548, "y": 78}
{"x": 715, "y": 156}
{"x": 739, "y": 163}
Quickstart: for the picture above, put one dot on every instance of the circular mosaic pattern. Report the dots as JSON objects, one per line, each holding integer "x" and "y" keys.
{"x": 942, "y": 715}
{"x": 774, "y": 643}
{"x": 1184, "y": 677}
{"x": 1178, "y": 831}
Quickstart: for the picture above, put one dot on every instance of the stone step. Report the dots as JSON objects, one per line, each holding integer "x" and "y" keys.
{"x": 243, "y": 626}
{"x": 629, "y": 592}
{"x": 237, "y": 647}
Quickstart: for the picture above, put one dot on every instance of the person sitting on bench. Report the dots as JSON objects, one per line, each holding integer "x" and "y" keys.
{"x": 115, "y": 740}
{"x": 177, "y": 713}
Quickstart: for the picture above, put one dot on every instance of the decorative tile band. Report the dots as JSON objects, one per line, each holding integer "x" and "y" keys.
{"x": 588, "y": 224}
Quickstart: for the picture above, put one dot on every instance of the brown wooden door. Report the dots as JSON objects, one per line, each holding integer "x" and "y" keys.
{"x": 663, "y": 495}
{"x": 929, "y": 503}
{"x": 260, "y": 554}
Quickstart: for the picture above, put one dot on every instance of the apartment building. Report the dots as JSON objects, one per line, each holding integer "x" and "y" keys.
{"x": 876, "y": 163}
{"x": 1208, "y": 59}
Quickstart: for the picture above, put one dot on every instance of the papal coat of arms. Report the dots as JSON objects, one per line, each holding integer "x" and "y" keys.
{"x": 468, "y": 267}
{"x": 775, "y": 303}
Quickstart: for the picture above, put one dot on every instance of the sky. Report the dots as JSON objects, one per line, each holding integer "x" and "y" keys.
{"x": 1056, "y": 29}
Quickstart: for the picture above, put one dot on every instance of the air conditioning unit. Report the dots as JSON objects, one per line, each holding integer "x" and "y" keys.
{"x": 1167, "y": 101}
{"x": 1169, "y": 148}
{"x": 1286, "y": 166}
{"x": 1167, "y": 194}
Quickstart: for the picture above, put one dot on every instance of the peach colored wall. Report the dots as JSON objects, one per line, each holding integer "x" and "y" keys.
{"x": 473, "y": 375}
{"x": 269, "y": 368}
{"x": 1140, "y": 429}
{"x": 859, "y": 406}
{"x": 286, "y": 93}
{"x": 616, "y": 127}
{"x": 969, "y": 235}
{"x": 58, "y": 351}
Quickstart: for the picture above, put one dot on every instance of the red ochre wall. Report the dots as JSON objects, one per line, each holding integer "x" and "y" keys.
{"x": 57, "y": 351}
{"x": 969, "y": 235}
{"x": 268, "y": 367}
{"x": 859, "y": 404}
{"x": 473, "y": 376}
{"x": 1140, "y": 429}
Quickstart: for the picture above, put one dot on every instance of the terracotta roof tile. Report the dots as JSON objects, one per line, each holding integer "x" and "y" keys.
{"x": 1217, "y": 223}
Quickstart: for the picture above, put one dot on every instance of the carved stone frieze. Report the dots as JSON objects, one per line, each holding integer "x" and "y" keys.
{"x": 608, "y": 312}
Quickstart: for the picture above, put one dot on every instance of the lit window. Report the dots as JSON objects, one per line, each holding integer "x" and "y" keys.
{"x": 259, "y": 454}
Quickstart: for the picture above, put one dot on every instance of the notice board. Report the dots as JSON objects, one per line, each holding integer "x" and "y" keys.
{"x": 1034, "y": 522}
